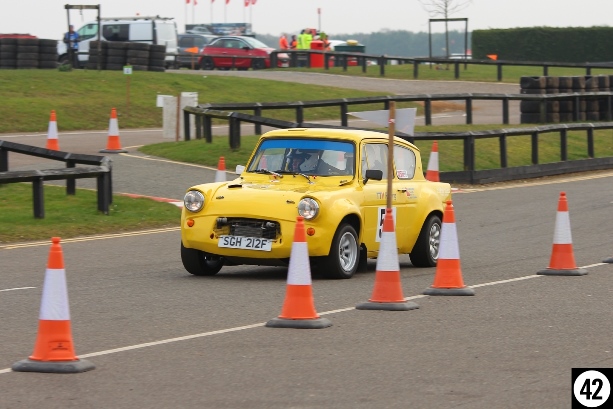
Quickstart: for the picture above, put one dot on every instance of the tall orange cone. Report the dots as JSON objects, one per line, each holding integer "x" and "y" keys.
{"x": 220, "y": 176}
{"x": 54, "y": 348}
{"x": 52, "y": 141}
{"x": 299, "y": 308}
{"x": 387, "y": 291}
{"x": 113, "y": 145}
{"x": 448, "y": 276}
{"x": 562, "y": 262}
{"x": 432, "y": 170}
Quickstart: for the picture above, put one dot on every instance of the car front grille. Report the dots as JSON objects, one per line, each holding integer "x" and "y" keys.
{"x": 265, "y": 229}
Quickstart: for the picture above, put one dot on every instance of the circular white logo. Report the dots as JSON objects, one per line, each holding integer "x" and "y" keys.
{"x": 592, "y": 389}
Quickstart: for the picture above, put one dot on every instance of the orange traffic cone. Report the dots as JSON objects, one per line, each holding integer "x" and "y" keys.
{"x": 299, "y": 308}
{"x": 387, "y": 291}
{"x": 220, "y": 176}
{"x": 432, "y": 171}
{"x": 54, "y": 349}
{"x": 448, "y": 275}
{"x": 52, "y": 141}
{"x": 562, "y": 262}
{"x": 113, "y": 145}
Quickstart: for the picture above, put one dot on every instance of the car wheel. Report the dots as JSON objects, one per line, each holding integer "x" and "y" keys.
{"x": 207, "y": 63}
{"x": 344, "y": 256}
{"x": 258, "y": 64}
{"x": 199, "y": 263}
{"x": 425, "y": 251}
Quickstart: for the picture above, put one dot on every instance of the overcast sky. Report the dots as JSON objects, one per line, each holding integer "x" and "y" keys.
{"x": 48, "y": 18}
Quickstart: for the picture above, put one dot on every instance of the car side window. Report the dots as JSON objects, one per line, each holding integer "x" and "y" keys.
{"x": 404, "y": 159}
{"x": 186, "y": 42}
{"x": 374, "y": 156}
{"x": 199, "y": 42}
{"x": 116, "y": 32}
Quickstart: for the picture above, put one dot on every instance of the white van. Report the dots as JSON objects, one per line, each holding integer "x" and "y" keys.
{"x": 151, "y": 30}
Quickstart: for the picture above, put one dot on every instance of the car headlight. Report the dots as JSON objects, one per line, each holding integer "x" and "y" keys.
{"x": 308, "y": 208}
{"x": 193, "y": 201}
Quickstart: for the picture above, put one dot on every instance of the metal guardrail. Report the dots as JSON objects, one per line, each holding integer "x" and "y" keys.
{"x": 470, "y": 175}
{"x": 382, "y": 61}
{"x": 100, "y": 168}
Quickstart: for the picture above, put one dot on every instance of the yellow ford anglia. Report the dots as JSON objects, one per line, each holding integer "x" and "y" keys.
{"x": 336, "y": 179}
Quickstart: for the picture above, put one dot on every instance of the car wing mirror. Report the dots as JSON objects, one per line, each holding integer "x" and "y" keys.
{"x": 373, "y": 174}
{"x": 239, "y": 169}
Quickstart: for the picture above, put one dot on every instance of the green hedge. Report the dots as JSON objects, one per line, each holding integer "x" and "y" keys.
{"x": 571, "y": 44}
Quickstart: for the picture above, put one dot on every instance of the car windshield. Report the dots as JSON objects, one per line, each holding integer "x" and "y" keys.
{"x": 315, "y": 157}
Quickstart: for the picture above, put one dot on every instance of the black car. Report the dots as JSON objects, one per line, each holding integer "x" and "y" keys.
{"x": 191, "y": 41}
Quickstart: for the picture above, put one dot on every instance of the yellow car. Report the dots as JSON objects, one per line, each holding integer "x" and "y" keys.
{"x": 337, "y": 180}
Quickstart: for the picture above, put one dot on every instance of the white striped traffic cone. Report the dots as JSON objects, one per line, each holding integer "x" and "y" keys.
{"x": 54, "y": 348}
{"x": 387, "y": 291}
{"x": 299, "y": 308}
{"x": 432, "y": 171}
{"x": 113, "y": 145}
{"x": 562, "y": 262}
{"x": 220, "y": 176}
{"x": 448, "y": 276}
{"x": 52, "y": 141}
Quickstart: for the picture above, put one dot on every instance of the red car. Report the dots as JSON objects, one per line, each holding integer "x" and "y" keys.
{"x": 239, "y": 52}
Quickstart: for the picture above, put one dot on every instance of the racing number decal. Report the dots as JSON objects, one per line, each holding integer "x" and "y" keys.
{"x": 380, "y": 220}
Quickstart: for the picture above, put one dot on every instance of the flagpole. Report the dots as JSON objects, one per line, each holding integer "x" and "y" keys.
{"x": 185, "y": 24}
{"x": 212, "y": 11}
{"x": 193, "y": 11}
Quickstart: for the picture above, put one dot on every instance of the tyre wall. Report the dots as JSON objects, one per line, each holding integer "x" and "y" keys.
{"x": 562, "y": 111}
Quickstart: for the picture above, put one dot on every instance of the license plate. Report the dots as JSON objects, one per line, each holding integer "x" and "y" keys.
{"x": 245, "y": 243}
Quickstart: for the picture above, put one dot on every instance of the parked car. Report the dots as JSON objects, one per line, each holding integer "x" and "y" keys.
{"x": 240, "y": 52}
{"x": 189, "y": 41}
{"x": 336, "y": 179}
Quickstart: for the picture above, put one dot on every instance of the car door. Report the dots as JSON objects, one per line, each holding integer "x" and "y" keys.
{"x": 373, "y": 156}
{"x": 241, "y": 51}
{"x": 407, "y": 192}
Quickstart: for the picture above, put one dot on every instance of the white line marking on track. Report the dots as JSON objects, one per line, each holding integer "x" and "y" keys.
{"x": 260, "y": 324}
{"x": 19, "y": 288}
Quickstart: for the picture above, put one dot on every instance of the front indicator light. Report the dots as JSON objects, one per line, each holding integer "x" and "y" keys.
{"x": 310, "y": 231}
{"x": 190, "y": 223}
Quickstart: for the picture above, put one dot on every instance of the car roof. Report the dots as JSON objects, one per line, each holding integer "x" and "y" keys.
{"x": 354, "y": 135}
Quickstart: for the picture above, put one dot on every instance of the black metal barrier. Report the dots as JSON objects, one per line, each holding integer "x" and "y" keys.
{"x": 342, "y": 58}
{"x": 469, "y": 175}
{"x": 99, "y": 167}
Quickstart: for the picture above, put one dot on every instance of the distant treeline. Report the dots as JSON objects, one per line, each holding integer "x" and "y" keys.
{"x": 397, "y": 43}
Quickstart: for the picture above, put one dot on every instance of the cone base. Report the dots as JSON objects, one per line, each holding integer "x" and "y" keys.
{"x": 449, "y": 291}
{"x": 29, "y": 365}
{"x": 113, "y": 151}
{"x": 569, "y": 272}
{"x": 608, "y": 260}
{"x": 316, "y": 323}
{"x": 388, "y": 306}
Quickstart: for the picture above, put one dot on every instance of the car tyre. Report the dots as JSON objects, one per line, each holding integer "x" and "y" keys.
{"x": 344, "y": 258}
{"x": 199, "y": 263}
{"x": 258, "y": 64}
{"x": 207, "y": 63}
{"x": 425, "y": 251}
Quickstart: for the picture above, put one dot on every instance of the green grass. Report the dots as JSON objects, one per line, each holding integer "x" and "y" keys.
{"x": 69, "y": 216}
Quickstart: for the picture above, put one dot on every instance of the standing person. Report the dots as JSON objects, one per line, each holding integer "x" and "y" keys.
{"x": 283, "y": 45}
{"x": 294, "y": 43}
{"x": 71, "y": 38}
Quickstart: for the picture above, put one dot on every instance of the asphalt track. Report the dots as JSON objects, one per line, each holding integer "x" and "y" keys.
{"x": 161, "y": 338}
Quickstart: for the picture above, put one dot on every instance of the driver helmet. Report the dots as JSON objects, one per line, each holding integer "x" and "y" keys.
{"x": 308, "y": 159}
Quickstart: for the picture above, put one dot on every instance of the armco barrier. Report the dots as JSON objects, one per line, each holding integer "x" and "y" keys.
{"x": 470, "y": 174}
{"x": 99, "y": 168}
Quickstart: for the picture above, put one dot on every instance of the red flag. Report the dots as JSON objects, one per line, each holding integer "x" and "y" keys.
{"x": 227, "y": 1}
{"x": 247, "y": 3}
{"x": 252, "y": 2}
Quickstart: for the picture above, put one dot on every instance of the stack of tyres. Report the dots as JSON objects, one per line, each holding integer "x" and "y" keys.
{"x": 572, "y": 85}
{"x": 8, "y": 53}
{"x": 137, "y": 55}
{"x": 603, "y": 86}
{"x": 27, "y": 52}
{"x": 97, "y": 55}
{"x": 157, "y": 58}
{"x": 552, "y": 106}
{"x": 530, "y": 111}
{"x": 116, "y": 55}
{"x": 47, "y": 53}
{"x": 592, "y": 106}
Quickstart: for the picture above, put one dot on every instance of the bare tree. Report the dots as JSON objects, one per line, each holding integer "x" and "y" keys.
{"x": 444, "y": 9}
